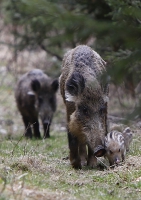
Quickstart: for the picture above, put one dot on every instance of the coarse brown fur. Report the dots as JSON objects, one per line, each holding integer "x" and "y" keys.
{"x": 35, "y": 96}
{"x": 85, "y": 98}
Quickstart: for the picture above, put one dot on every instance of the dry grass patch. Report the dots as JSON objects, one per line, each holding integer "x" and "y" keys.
{"x": 20, "y": 191}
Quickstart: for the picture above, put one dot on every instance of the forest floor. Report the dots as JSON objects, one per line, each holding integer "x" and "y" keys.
{"x": 40, "y": 169}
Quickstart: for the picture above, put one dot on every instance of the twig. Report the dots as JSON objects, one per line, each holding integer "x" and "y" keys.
{"x": 20, "y": 140}
{"x": 101, "y": 162}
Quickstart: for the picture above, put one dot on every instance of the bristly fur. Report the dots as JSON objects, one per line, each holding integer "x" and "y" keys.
{"x": 35, "y": 95}
{"x": 116, "y": 145}
{"x": 85, "y": 96}
{"x": 114, "y": 136}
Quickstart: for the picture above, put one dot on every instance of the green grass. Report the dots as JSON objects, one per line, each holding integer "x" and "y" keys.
{"x": 43, "y": 164}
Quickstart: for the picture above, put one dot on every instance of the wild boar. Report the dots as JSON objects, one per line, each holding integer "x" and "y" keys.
{"x": 35, "y": 96}
{"x": 116, "y": 145}
{"x": 128, "y": 137}
{"x": 85, "y": 96}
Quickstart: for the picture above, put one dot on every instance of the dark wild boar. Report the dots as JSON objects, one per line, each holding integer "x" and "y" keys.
{"x": 36, "y": 96}
{"x": 85, "y": 97}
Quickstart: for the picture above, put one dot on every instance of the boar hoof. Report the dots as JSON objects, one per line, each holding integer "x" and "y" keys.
{"x": 76, "y": 164}
{"x": 92, "y": 162}
{"x": 84, "y": 162}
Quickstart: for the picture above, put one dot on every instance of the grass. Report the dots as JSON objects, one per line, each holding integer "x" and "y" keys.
{"x": 40, "y": 169}
{"x": 43, "y": 166}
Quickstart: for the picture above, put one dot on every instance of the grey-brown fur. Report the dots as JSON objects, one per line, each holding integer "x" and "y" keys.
{"x": 116, "y": 145}
{"x": 35, "y": 96}
{"x": 86, "y": 104}
{"x": 128, "y": 136}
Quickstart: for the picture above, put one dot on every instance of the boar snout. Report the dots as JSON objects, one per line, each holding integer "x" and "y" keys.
{"x": 117, "y": 161}
{"x": 99, "y": 151}
{"x": 46, "y": 122}
{"x": 46, "y": 125}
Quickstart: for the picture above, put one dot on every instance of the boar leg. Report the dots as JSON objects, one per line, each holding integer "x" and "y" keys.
{"x": 83, "y": 154}
{"x": 92, "y": 160}
{"x": 74, "y": 155}
{"x": 106, "y": 120}
{"x": 28, "y": 131}
{"x": 46, "y": 130}
{"x": 36, "y": 129}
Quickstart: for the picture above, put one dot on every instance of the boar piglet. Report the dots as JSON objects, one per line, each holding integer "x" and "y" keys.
{"x": 35, "y": 96}
{"x": 116, "y": 145}
{"x": 85, "y": 97}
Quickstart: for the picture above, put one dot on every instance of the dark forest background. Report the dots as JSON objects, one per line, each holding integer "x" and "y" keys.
{"x": 112, "y": 28}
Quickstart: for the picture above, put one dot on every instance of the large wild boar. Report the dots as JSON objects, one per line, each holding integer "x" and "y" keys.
{"x": 35, "y": 96}
{"x": 85, "y": 97}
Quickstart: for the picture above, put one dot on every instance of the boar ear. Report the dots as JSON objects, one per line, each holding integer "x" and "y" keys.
{"x": 127, "y": 130}
{"x": 35, "y": 85}
{"x": 55, "y": 85}
{"x": 99, "y": 151}
{"x": 75, "y": 85}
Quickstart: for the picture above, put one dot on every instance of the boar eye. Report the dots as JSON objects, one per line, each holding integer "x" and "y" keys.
{"x": 85, "y": 110}
{"x": 102, "y": 110}
{"x": 40, "y": 99}
{"x": 110, "y": 152}
{"x": 51, "y": 100}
